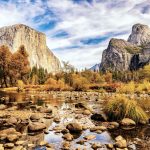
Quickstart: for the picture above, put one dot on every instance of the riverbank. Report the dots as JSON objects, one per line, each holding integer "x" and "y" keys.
{"x": 65, "y": 120}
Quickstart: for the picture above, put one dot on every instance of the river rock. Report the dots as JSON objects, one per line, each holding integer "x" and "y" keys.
{"x": 95, "y": 146}
{"x": 1, "y": 147}
{"x": 81, "y": 105}
{"x": 110, "y": 146}
{"x": 127, "y": 122}
{"x": 64, "y": 131}
{"x": 20, "y": 143}
{"x": 12, "y": 137}
{"x": 9, "y": 145}
{"x": 68, "y": 137}
{"x": 90, "y": 137}
{"x": 95, "y": 128}
{"x": 12, "y": 120}
{"x": 8, "y": 131}
{"x": 35, "y": 117}
{"x": 74, "y": 127}
{"x": 2, "y": 106}
{"x": 45, "y": 110}
{"x": 66, "y": 145}
{"x": 81, "y": 142}
{"x": 86, "y": 112}
{"x": 99, "y": 117}
{"x": 36, "y": 126}
{"x": 43, "y": 143}
{"x": 120, "y": 142}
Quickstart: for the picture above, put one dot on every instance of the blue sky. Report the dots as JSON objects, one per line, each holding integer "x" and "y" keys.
{"x": 77, "y": 30}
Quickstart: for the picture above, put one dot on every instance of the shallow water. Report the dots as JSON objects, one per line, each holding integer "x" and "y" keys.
{"x": 141, "y": 132}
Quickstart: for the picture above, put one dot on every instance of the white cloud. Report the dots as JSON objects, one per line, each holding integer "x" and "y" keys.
{"x": 80, "y": 21}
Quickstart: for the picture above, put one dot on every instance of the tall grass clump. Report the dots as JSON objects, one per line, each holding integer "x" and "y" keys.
{"x": 120, "y": 107}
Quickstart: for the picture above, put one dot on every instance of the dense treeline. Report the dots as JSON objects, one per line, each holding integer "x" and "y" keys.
{"x": 15, "y": 67}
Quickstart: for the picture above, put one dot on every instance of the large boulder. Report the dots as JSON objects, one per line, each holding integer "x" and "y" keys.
{"x": 36, "y": 126}
{"x": 74, "y": 127}
{"x": 99, "y": 117}
{"x": 127, "y": 122}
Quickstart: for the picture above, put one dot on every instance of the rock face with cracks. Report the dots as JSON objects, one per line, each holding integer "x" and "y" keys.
{"x": 133, "y": 54}
{"x": 35, "y": 44}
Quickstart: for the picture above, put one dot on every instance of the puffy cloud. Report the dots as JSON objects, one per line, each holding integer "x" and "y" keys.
{"x": 77, "y": 30}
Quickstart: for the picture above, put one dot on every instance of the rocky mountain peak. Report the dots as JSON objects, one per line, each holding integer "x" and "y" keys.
{"x": 35, "y": 43}
{"x": 140, "y": 34}
{"x": 133, "y": 54}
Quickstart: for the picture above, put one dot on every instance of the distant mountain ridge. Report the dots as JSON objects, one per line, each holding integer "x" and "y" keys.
{"x": 35, "y": 44}
{"x": 95, "y": 68}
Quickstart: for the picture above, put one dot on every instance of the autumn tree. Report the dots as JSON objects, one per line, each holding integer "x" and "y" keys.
{"x": 19, "y": 65}
{"x": 5, "y": 58}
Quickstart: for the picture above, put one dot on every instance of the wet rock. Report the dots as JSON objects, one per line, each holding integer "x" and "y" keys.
{"x": 9, "y": 145}
{"x": 48, "y": 116}
{"x": 120, "y": 142}
{"x": 110, "y": 146}
{"x": 45, "y": 110}
{"x": 3, "y": 136}
{"x": 1, "y": 147}
{"x": 90, "y": 137}
{"x": 12, "y": 120}
{"x": 12, "y": 137}
{"x": 31, "y": 145}
{"x": 74, "y": 127}
{"x": 46, "y": 132}
{"x": 57, "y": 120}
{"x": 43, "y": 143}
{"x": 58, "y": 128}
{"x": 20, "y": 143}
{"x": 35, "y": 117}
{"x": 64, "y": 131}
{"x": 99, "y": 117}
{"x": 95, "y": 128}
{"x": 98, "y": 131}
{"x": 36, "y": 126}
{"x": 127, "y": 122}
{"x": 68, "y": 137}
{"x": 113, "y": 125}
{"x": 81, "y": 142}
{"x": 8, "y": 131}
{"x": 19, "y": 148}
{"x": 86, "y": 112}
{"x": 80, "y": 105}
{"x": 13, "y": 108}
{"x": 66, "y": 145}
{"x": 2, "y": 106}
{"x": 95, "y": 146}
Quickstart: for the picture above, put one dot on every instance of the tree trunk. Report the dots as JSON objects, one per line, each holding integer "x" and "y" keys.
{"x": 5, "y": 82}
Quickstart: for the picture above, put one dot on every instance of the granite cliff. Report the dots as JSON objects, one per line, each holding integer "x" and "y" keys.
{"x": 35, "y": 44}
{"x": 133, "y": 54}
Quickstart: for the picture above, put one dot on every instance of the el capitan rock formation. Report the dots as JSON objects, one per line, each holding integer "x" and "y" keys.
{"x": 133, "y": 54}
{"x": 35, "y": 44}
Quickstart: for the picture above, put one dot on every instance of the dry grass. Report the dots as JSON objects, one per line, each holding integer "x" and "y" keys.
{"x": 120, "y": 107}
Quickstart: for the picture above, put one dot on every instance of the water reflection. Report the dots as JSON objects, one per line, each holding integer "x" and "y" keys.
{"x": 28, "y": 100}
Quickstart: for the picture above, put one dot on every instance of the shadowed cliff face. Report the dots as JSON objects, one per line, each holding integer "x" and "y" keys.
{"x": 121, "y": 55}
{"x": 35, "y": 44}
